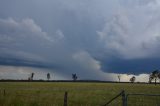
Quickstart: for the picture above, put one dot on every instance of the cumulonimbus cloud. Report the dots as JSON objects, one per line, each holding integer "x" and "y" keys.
{"x": 89, "y": 38}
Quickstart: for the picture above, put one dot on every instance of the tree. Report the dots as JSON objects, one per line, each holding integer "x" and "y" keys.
{"x": 154, "y": 76}
{"x": 48, "y": 76}
{"x": 31, "y": 76}
{"x": 119, "y": 77}
{"x": 150, "y": 78}
{"x": 74, "y": 77}
{"x": 132, "y": 79}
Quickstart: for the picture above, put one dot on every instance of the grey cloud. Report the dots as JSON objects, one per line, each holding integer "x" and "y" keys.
{"x": 84, "y": 37}
{"x": 132, "y": 33}
{"x": 34, "y": 48}
{"x": 22, "y": 39}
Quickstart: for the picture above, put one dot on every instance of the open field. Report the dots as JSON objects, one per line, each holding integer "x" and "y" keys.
{"x": 79, "y": 93}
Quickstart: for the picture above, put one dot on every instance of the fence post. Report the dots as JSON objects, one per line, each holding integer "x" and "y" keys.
{"x": 124, "y": 98}
{"x": 4, "y": 92}
{"x": 65, "y": 98}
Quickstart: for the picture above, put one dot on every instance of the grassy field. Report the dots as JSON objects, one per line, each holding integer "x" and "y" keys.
{"x": 79, "y": 94}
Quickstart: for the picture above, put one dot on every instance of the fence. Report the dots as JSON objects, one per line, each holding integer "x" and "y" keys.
{"x": 133, "y": 99}
{"x": 65, "y": 98}
{"x": 6, "y": 95}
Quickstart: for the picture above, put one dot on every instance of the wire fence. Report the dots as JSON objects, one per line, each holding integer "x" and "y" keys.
{"x": 134, "y": 99}
{"x": 143, "y": 99}
{"x": 75, "y": 97}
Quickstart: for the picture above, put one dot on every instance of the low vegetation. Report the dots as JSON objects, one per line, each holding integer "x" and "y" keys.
{"x": 79, "y": 94}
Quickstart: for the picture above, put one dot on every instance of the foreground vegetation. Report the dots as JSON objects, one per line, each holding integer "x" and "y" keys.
{"x": 79, "y": 94}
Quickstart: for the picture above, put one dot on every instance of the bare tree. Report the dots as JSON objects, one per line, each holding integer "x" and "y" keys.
{"x": 48, "y": 76}
{"x": 74, "y": 77}
{"x": 119, "y": 77}
{"x": 132, "y": 79}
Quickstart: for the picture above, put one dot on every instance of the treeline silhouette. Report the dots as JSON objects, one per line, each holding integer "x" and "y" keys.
{"x": 153, "y": 77}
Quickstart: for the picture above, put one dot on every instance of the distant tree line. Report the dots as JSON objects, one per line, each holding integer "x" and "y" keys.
{"x": 153, "y": 77}
{"x": 132, "y": 79}
{"x": 31, "y": 76}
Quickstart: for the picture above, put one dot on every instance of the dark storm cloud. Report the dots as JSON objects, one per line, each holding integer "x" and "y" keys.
{"x": 91, "y": 37}
{"x": 133, "y": 66}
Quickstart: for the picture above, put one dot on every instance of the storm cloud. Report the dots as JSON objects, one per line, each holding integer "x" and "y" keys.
{"x": 95, "y": 39}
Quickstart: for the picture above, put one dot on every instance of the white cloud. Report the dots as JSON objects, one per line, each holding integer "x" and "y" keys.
{"x": 86, "y": 60}
{"x": 139, "y": 78}
{"x": 89, "y": 68}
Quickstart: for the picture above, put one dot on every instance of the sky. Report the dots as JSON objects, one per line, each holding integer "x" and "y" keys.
{"x": 96, "y": 39}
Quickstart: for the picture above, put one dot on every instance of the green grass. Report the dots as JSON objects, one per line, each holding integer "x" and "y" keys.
{"x": 79, "y": 94}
